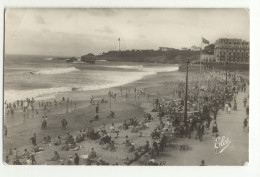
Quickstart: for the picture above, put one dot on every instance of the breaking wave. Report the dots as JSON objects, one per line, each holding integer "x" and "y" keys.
{"x": 13, "y": 95}
{"x": 95, "y": 78}
{"x": 116, "y": 79}
{"x": 49, "y": 59}
{"x": 151, "y": 69}
{"x": 50, "y": 71}
{"x": 138, "y": 67}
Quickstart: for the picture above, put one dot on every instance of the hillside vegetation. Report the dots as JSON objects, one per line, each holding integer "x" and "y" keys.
{"x": 154, "y": 56}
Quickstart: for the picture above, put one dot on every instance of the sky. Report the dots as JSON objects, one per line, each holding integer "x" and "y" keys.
{"x": 76, "y": 32}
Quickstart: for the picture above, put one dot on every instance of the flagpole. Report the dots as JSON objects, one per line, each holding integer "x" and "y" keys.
{"x": 200, "y": 73}
{"x": 118, "y": 44}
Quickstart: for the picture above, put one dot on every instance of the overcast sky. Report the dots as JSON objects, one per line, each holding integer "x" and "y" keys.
{"x": 74, "y": 32}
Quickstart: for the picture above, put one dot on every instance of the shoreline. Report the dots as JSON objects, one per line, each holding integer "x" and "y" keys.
{"x": 130, "y": 108}
{"x": 56, "y": 92}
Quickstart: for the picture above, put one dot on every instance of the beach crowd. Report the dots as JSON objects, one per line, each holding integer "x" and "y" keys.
{"x": 165, "y": 123}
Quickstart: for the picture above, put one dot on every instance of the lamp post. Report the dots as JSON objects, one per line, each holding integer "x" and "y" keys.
{"x": 226, "y": 69}
{"x": 186, "y": 91}
{"x": 226, "y": 63}
{"x": 110, "y": 100}
{"x": 235, "y": 70}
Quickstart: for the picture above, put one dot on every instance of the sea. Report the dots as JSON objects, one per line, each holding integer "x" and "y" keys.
{"x": 43, "y": 77}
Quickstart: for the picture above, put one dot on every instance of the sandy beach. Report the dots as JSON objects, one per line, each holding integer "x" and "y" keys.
{"x": 80, "y": 115}
{"x": 79, "y": 118}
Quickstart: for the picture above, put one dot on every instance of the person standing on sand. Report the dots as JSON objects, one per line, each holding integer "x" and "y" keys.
{"x": 114, "y": 97}
{"x": 67, "y": 108}
{"x": 214, "y": 129}
{"x": 44, "y": 122}
{"x": 70, "y": 160}
{"x": 37, "y": 113}
{"x": 97, "y": 108}
{"x": 33, "y": 139}
{"x": 33, "y": 159}
{"x": 245, "y": 123}
{"x": 245, "y": 101}
{"x": 229, "y": 109}
{"x": 5, "y": 130}
{"x": 235, "y": 106}
{"x": 76, "y": 159}
{"x": 126, "y": 96}
{"x": 202, "y": 163}
{"x": 64, "y": 124}
{"x": 226, "y": 107}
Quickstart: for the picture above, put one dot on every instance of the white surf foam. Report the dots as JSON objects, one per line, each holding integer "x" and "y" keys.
{"x": 138, "y": 67}
{"x": 160, "y": 69}
{"x": 116, "y": 79}
{"x": 157, "y": 69}
{"x": 48, "y": 58}
{"x": 50, "y": 71}
{"x": 99, "y": 80}
{"x": 13, "y": 95}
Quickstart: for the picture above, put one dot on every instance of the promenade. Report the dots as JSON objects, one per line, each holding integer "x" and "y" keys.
{"x": 230, "y": 126}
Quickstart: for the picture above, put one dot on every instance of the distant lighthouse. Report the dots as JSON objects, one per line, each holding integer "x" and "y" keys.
{"x": 118, "y": 44}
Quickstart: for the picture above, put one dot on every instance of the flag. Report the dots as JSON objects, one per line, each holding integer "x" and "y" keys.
{"x": 205, "y": 41}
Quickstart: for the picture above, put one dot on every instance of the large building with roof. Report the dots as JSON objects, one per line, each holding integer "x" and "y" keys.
{"x": 231, "y": 50}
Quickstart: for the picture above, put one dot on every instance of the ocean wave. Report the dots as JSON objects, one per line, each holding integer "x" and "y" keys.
{"x": 161, "y": 69}
{"x": 115, "y": 80}
{"x": 79, "y": 62}
{"x": 50, "y": 71}
{"x": 103, "y": 80}
{"x": 138, "y": 67}
{"x": 41, "y": 94}
{"x": 88, "y": 80}
{"x": 153, "y": 69}
{"x": 48, "y": 58}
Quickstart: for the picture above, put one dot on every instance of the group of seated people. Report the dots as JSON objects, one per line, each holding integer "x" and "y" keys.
{"x": 144, "y": 148}
{"x": 46, "y": 140}
{"x": 92, "y": 158}
{"x": 155, "y": 134}
{"x": 81, "y": 135}
{"x": 26, "y": 157}
{"x": 128, "y": 144}
{"x": 148, "y": 117}
{"x": 70, "y": 143}
{"x": 111, "y": 115}
{"x": 106, "y": 138}
{"x": 136, "y": 124}
{"x": 36, "y": 148}
{"x": 149, "y": 152}
{"x": 103, "y": 100}
{"x": 56, "y": 157}
{"x": 109, "y": 146}
{"x": 138, "y": 152}
{"x": 58, "y": 141}
{"x": 93, "y": 135}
